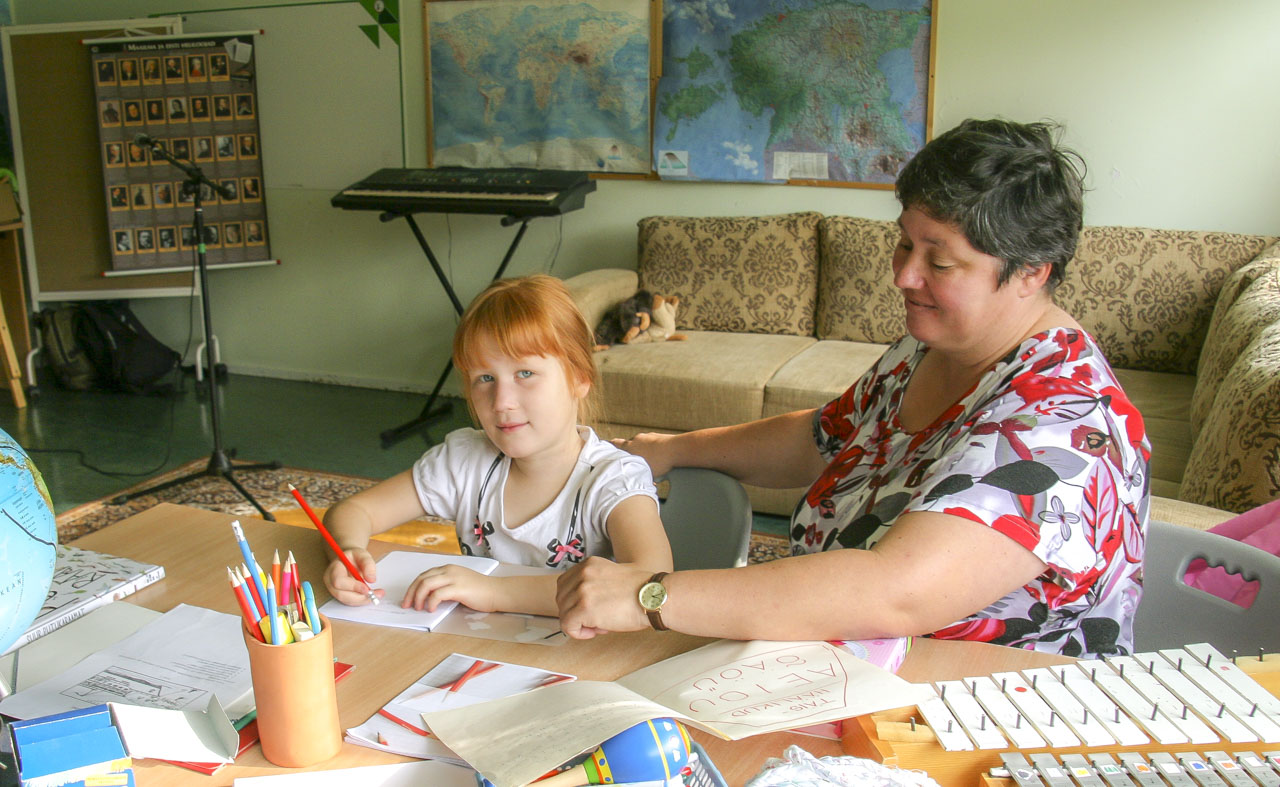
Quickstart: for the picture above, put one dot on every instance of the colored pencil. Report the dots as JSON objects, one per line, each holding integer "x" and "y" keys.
{"x": 313, "y": 617}
{"x": 277, "y": 638}
{"x": 389, "y": 715}
{"x": 471, "y": 672}
{"x": 248, "y": 555}
{"x": 275, "y": 577}
{"x": 297, "y": 585}
{"x": 246, "y": 608}
{"x": 258, "y": 601}
{"x": 286, "y": 592}
{"x": 337, "y": 550}
{"x": 488, "y": 667}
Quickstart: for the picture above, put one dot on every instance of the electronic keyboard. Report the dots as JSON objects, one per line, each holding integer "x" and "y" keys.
{"x": 515, "y": 191}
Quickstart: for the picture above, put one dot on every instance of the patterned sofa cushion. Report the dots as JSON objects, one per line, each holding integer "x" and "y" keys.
{"x": 1147, "y": 295}
{"x": 856, "y": 297}
{"x": 1245, "y": 306}
{"x": 1235, "y": 460}
{"x": 749, "y": 274}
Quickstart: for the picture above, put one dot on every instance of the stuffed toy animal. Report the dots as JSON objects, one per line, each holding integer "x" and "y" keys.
{"x": 632, "y": 314}
{"x": 662, "y": 323}
{"x": 644, "y": 317}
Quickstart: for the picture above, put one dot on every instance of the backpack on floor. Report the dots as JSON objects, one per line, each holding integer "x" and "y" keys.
{"x": 67, "y": 360}
{"x": 124, "y": 353}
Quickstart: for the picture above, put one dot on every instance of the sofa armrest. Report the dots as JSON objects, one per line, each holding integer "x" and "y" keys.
{"x": 1235, "y": 409}
{"x": 595, "y": 291}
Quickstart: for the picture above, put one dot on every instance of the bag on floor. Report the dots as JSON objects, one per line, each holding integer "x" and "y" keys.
{"x": 67, "y": 360}
{"x": 124, "y": 353}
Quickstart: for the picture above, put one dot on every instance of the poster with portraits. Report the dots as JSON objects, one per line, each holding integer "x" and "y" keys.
{"x": 195, "y": 95}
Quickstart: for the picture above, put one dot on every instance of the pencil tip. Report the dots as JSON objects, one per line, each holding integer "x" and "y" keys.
{"x": 292, "y": 488}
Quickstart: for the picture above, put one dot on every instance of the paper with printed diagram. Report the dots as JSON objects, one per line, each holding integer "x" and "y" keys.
{"x": 730, "y": 689}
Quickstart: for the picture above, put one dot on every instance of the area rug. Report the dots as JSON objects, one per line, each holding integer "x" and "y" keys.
{"x": 271, "y": 489}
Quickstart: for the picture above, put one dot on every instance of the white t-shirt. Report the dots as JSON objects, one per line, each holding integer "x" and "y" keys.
{"x": 463, "y": 479}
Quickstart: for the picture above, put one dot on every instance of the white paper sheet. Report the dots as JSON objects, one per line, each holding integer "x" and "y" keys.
{"x": 404, "y": 774}
{"x": 396, "y": 571}
{"x": 175, "y": 663}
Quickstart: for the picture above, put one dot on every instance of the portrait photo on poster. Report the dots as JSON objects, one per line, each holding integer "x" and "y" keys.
{"x": 190, "y": 98}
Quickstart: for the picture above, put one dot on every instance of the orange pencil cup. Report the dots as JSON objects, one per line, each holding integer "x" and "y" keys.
{"x": 297, "y": 702}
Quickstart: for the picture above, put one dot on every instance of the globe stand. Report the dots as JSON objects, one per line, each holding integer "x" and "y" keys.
{"x": 220, "y": 465}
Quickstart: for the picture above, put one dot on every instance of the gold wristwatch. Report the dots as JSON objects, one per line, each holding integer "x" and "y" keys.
{"x": 653, "y": 594}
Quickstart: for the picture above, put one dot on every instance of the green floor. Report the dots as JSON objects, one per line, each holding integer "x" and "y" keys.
{"x": 315, "y": 426}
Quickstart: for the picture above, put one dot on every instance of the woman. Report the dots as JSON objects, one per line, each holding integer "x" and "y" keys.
{"x": 985, "y": 480}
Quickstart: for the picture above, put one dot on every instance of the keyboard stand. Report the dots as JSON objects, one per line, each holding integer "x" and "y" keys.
{"x": 431, "y": 412}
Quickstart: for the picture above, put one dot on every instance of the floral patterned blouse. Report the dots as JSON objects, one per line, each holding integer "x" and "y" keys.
{"x": 1046, "y": 448}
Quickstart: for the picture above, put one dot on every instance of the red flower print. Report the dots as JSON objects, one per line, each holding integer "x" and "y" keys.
{"x": 1008, "y": 429}
{"x": 1088, "y": 439}
{"x": 980, "y": 630}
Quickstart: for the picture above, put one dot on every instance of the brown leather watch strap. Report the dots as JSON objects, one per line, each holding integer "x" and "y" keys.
{"x": 655, "y": 616}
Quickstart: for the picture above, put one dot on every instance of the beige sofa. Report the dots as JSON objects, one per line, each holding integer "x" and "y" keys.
{"x": 785, "y": 312}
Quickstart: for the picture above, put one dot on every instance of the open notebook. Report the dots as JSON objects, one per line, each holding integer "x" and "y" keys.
{"x": 396, "y": 571}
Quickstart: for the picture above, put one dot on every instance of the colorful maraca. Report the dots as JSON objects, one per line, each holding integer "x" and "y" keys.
{"x": 650, "y": 751}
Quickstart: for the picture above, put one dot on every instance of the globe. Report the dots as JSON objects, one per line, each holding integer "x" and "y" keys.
{"x": 28, "y": 541}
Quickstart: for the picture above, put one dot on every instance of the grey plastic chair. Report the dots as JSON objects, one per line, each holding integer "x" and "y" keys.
{"x": 708, "y": 519}
{"x": 1173, "y": 613}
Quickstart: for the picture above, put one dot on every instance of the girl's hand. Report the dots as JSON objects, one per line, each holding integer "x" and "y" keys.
{"x": 451, "y": 583}
{"x": 346, "y": 588}
{"x": 653, "y": 448}
{"x": 598, "y": 596}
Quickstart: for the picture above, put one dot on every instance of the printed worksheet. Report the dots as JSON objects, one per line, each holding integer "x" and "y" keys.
{"x": 730, "y": 689}
{"x": 456, "y": 682}
{"x": 175, "y": 663}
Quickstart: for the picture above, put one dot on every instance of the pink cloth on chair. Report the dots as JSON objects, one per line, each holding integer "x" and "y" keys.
{"x": 1259, "y": 527}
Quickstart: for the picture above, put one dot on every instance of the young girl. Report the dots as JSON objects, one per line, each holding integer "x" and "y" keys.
{"x": 530, "y": 485}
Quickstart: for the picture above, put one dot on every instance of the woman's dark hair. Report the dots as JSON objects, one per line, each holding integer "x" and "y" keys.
{"x": 1009, "y": 187}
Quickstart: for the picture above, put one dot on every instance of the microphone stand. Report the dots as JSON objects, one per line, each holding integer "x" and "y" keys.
{"x": 219, "y": 461}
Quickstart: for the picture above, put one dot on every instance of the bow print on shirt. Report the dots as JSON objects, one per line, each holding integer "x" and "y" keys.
{"x": 571, "y": 551}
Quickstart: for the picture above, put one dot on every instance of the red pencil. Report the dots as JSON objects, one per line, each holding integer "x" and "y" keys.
{"x": 471, "y": 672}
{"x": 250, "y": 620}
{"x": 389, "y": 715}
{"x": 297, "y": 579}
{"x": 337, "y": 550}
{"x": 258, "y": 602}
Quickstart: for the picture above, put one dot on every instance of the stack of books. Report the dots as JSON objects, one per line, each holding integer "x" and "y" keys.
{"x": 84, "y": 580}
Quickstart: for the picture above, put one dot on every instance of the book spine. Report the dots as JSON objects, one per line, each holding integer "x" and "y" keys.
{"x": 71, "y": 613}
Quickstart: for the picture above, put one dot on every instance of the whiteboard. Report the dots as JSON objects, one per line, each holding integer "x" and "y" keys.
{"x": 330, "y": 109}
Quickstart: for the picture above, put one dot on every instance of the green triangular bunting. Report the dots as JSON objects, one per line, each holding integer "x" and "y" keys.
{"x": 394, "y": 32}
{"x": 372, "y": 32}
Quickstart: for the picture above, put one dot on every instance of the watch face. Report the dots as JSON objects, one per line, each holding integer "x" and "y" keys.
{"x": 653, "y": 595}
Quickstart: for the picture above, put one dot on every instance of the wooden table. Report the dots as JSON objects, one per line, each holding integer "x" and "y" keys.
{"x": 195, "y": 545}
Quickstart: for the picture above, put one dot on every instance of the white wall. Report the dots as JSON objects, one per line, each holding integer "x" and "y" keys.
{"x": 1173, "y": 104}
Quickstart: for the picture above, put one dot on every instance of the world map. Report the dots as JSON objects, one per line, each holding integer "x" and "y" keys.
{"x": 792, "y": 89}
{"x": 540, "y": 83}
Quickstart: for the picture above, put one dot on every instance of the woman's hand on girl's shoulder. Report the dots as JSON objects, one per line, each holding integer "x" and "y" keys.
{"x": 652, "y": 448}
{"x": 451, "y": 583}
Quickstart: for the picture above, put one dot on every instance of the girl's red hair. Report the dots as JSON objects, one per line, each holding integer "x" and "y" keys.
{"x": 529, "y": 315}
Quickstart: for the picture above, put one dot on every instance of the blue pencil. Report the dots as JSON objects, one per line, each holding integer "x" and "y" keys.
{"x": 249, "y": 561}
{"x": 309, "y": 599}
{"x": 277, "y": 638}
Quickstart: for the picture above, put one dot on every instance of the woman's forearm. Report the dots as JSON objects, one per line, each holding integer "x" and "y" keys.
{"x": 812, "y": 597}
{"x": 777, "y": 452}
